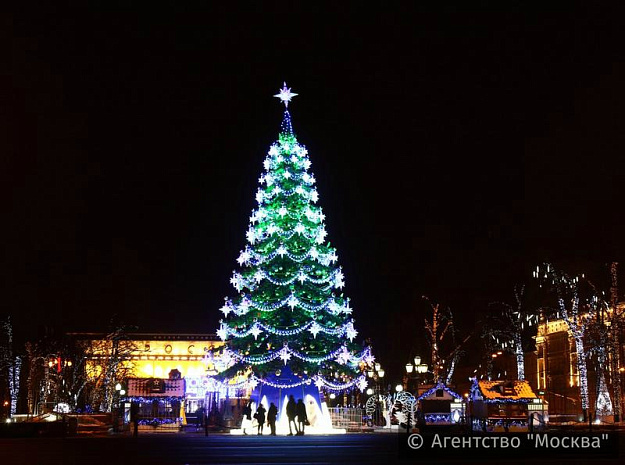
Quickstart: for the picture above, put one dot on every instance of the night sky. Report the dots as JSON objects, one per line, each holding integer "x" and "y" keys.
{"x": 454, "y": 150}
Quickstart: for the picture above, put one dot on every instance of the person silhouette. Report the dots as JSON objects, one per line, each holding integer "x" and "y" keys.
{"x": 291, "y": 413}
{"x": 302, "y": 417}
{"x": 260, "y": 417}
{"x": 271, "y": 418}
{"x": 247, "y": 417}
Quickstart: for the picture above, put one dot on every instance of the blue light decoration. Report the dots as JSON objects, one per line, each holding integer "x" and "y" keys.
{"x": 342, "y": 355}
{"x": 346, "y": 330}
{"x": 148, "y": 400}
{"x": 438, "y": 386}
{"x": 160, "y": 421}
{"x": 438, "y": 418}
{"x": 288, "y": 325}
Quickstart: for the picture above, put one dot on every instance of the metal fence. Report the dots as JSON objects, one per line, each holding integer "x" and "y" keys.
{"x": 349, "y": 418}
{"x": 153, "y": 415}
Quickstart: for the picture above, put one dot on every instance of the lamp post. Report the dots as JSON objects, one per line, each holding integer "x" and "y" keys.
{"x": 118, "y": 391}
{"x": 376, "y": 373}
{"x": 414, "y": 370}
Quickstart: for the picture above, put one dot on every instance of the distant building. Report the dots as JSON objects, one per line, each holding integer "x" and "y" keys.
{"x": 555, "y": 374}
{"x": 155, "y": 356}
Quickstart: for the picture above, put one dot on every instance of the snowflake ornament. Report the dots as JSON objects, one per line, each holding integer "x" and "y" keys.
{"x": 244, "y": 257}
{"x": 361, "y": 383}
{"x": 344, "y": 356}
{"x": 292, "y": 301}
{"x": 255, "y": 330}
{"x": 227, "y": 307}
{"x": 222, "y": 332}
{"x": 314, "y": 329}
{"x": 350, "y": 332}
{"x": 244, "y": 306}
{"x": 285, "y": 355}
{"x": 237, "y": 281}
{"x": 339, "y": 280}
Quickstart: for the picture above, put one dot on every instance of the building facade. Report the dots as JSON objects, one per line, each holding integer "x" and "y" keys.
{"x": 154, "y": 356}
{"x": 556, "y": 375}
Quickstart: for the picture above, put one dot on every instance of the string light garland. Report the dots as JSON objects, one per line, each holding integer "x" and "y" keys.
{"x": 313, "y": 327}
{"x": 342, "y": 355}
{"x": 438, "y": 386}
{"x": 239, "y": 281}
{"x": 292, "y": 301}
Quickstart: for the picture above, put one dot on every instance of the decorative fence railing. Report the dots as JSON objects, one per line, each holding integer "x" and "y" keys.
{"x": 348, "y": 418}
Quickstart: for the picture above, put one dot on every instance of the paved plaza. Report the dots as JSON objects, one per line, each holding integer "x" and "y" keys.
{"x": 166, "y": 448}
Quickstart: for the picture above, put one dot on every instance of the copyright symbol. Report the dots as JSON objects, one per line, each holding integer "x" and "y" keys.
{"x": 415, "y": 441}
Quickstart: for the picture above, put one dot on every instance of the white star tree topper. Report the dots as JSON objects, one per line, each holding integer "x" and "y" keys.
{"x": 285, "y": 95}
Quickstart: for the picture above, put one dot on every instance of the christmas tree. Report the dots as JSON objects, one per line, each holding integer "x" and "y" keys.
{"x": 289, "y": 325}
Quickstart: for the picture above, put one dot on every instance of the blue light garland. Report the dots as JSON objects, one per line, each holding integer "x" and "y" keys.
{"x": 438, "y": 386}
{"x": 346, "y": 330}
{"x": 287, "y": 351}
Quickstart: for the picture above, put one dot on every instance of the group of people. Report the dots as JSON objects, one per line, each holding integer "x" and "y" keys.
{"x": 293, "y": 410}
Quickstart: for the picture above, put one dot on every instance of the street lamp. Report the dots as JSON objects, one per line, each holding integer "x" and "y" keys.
{"x": 116, "y": 406}
{"x": 376, "y": 373}
{"x": 415, "y": 366}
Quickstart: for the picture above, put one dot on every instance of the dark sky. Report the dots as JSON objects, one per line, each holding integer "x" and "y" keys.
{"x": 454, "y": 150}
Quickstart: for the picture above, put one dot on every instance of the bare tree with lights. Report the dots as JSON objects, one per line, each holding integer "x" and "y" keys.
{"x": 489, "y": 345}
{"x": 10, "y": 364}
{"x": 441, "y": 325}
{"x": 508, "y": 326}
{"x": 112, "y": 363}
{"x": 599, "y": 341}
{"x": 577, "y": 315}
{"x": 605, "y": 343}
{"x": 616, "y": 317}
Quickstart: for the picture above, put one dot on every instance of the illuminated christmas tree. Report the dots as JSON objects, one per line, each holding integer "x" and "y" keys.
{"x": 289, "y": 326}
